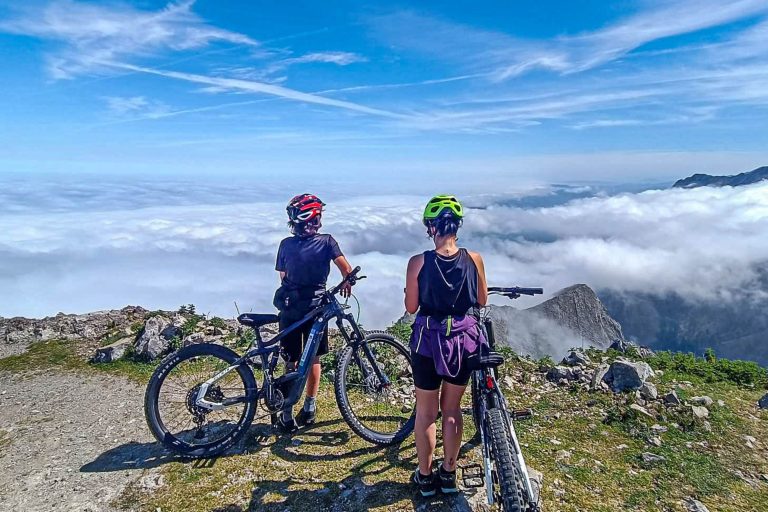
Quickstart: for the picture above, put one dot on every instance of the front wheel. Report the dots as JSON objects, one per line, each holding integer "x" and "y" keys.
{"x": 509, "y": 484}
{"x": 380, "y": 412}
{"x": 170, "y": 405}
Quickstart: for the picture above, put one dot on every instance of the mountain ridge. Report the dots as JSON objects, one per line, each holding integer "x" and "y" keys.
{"x": 734, "y": 180}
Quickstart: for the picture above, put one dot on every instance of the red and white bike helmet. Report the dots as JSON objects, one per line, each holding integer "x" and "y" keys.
{"x": 304, "y": 207}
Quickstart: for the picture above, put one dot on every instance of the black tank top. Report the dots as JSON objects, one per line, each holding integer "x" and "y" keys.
{"x": 447, "y": 285}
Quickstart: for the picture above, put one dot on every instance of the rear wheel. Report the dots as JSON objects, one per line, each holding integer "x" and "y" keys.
{"x": 509, "y": 488}
{"x": 381, "y": 413}
{"x": 183, "y": 426}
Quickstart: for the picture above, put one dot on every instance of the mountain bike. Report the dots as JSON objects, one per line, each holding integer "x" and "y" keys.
{"x": 503, "y": 472}
{"x": 202, "y": 399}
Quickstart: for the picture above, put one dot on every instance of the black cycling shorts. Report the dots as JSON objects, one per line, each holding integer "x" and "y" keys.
{"x": 293, "y": 343}
{"x": 426, "y": 377}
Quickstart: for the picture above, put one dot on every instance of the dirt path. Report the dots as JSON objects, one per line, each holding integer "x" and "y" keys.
{"x": 70, "y": 442}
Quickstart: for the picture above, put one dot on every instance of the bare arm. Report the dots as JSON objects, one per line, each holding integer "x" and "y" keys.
{"x": 282, "y": 275}
{"x": 482, "y": 284}
{"x": 412, "y": 283}
{"x": 344, "y": 267}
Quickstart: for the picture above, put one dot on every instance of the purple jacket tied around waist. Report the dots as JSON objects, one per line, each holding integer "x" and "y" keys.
{"x": 446, "y": 341}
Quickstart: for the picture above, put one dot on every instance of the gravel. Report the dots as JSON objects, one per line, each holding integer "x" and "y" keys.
{"x": 76, "y": 441}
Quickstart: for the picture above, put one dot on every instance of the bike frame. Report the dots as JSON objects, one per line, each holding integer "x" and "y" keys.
{"x": 294, "y": 381}
{"x": 490, "y": 396}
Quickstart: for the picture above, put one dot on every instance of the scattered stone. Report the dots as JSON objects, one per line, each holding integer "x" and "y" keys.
{"x": 555, "y": 442}
{"x": 763, "y": 402}
{"x": 720, "y": 403}
{"x": 699, "y": 412}
{"x": 558, "y": 373}
{"x": 659, "y": 428}
{"x": 702, "y": 400}
{"x": 112, "y": 352}
{"x": 671, "y": 398}
{"x": 648, "y": 391}
{"x": 626, "y": 375}
{"x": 707, "y": 426}
{"x": 562, "y": 454}
{"x": 620, "y": 345}
{"x": 764, "y": 477}
{"x": 652, "y": 458}
{"x": 693, "y": 505}
{"x": 575, "y": 358}
{"x": 750, "y": 442}
{"x": 155, "y": 338}
{"x": 641, "y": 410}
{"x": 599, "y": 376}
{"x": 192, "y": 339}
{"x": 622, "y": 447}
{"x": 509, "y": 382}
{"x": 537, "y": 480}
{"x": 655, "y": 441}
{"x": 152, "y": 482}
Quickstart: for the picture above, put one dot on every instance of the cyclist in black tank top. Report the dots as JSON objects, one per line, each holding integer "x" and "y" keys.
{"x": 444, "y": 284}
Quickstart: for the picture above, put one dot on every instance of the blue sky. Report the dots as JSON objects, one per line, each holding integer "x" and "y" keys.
{"x": 558, "y": 90}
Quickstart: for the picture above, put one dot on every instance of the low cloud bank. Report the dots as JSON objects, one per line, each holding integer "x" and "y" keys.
{"x": 704, "y": 244}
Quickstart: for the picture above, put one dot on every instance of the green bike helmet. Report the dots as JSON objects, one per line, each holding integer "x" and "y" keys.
{"x": 441, "y": 205}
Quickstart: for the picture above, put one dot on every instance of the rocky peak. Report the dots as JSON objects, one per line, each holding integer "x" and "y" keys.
{"x": 579, "y": 309}
{"x": 708, "y": 180}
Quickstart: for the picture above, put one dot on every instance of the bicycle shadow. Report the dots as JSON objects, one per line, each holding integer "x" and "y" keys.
{"x": 135, "y": 455}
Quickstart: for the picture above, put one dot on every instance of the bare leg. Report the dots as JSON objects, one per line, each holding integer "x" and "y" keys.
{"x": 313, "y": 378}
{"x": 453, "y": 423}
{"x": 425, "y": 429}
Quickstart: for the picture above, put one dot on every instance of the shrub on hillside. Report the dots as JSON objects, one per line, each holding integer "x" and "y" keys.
{"x": 710, "y": 368}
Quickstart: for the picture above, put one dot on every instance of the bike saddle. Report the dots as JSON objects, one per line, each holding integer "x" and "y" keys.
{"x": 256, "y": 320}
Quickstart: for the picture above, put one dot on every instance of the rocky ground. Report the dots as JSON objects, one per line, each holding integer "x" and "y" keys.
{"x": 70, "y": 441}
{"x": 623, "y": 429}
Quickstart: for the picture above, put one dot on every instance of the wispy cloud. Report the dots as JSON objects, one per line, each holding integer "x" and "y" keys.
{"x": 506, "y": 56}
{"x": 136, "y": 107}
{"x": 258, "y": 87}
{"x": 90, "y": 34}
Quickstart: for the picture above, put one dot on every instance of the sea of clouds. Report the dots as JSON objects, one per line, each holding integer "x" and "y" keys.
{"x": 81, "y": 245}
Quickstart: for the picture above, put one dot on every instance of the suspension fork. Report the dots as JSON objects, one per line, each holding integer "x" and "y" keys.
{"x": 359, "y": 340}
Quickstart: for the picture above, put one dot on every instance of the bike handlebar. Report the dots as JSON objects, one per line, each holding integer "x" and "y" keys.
{"x": 514, "y": 292}
{"x": 351, "y": 278}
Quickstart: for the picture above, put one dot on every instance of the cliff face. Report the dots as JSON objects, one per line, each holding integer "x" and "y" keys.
{"x": 737, "y": 180}
{"x": 737, "y": 329}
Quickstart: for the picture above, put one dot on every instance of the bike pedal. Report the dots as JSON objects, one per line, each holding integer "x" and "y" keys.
{"x": 522, "y": 414}
{"x": 472, "y": 475}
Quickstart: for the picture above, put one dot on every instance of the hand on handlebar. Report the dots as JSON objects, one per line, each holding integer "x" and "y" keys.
{"x": 346, "y": 289}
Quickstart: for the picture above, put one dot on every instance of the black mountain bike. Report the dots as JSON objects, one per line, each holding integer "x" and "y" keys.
{"x": 202, "y": 399}
{"x": 503, "y": 472}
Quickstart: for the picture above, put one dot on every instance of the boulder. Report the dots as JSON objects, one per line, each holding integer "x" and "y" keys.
{"x": 702, "y": 400}
{"x": 693, "y": 505}
{"x": 556, "y": 373}
{"x": 619, "y": 345}
{"x": 641, "y": 410}
{"x": 699, "y": 412}
{"x": 626, "y": 375}
{"x": 113, "y": 351}
{"x": 576, "y": 357}
{"x": 599, "y": 375}
{"x": 652, "y": 458}
{"x": 649, "y": 391}
{"x": 194, "y": 338}
{"x": 671, "y": 398}
{"x": 155, "y": 338}
{"x": 763, "y": 402}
